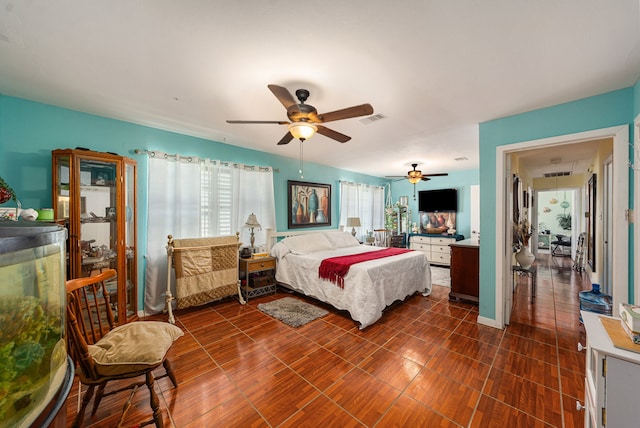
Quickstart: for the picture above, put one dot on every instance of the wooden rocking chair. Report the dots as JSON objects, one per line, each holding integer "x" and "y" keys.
{"x": 104, "y": 351}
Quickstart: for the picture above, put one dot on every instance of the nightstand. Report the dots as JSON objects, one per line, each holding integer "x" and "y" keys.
{"x": 258, "y": 276}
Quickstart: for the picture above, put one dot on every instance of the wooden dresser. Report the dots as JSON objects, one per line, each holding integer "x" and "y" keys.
{"x": 465, "y": 270}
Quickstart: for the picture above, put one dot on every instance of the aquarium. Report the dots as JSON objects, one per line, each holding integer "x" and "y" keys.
{"x": 34, "y": 366}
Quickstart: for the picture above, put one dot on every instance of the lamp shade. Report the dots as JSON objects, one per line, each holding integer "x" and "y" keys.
{"x": 302, "y": 130}
{"x": 252, "y": 221}
{"x": 353, "y": 221}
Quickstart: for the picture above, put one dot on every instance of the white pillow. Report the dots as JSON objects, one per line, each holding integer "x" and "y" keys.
{"x": 339, "y": 239}
{"x": 279, "y": 250}
{"x": 306, "y": 244}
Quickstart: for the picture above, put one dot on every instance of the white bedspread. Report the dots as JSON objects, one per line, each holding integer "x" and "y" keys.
{"x": 369, "y": 286}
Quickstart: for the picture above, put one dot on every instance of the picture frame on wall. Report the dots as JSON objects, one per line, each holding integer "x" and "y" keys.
{"x": 308, "y": 204}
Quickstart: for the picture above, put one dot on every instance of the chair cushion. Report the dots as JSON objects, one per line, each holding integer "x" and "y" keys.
{"x": 133, "y": 347}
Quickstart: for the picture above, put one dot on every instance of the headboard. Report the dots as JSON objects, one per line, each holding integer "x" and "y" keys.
{"x": 274, "y": 236}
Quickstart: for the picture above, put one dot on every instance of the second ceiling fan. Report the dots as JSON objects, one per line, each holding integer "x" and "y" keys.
{"x": 415, "y": 175}
{"x": 304, "y": 120}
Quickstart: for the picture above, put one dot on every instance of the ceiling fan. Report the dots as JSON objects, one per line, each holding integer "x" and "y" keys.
{"x": 415, "y": 175}
{"x": 304, "y": 120}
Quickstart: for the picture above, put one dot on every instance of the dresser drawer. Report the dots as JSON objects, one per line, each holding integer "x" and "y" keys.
{"x": 442, "y": 241}
{"x": 437, "y": 248}
{"x": 258, "y": 265}
{"x": 440, "y": 258}
{"x": 420, "y": 239}
{"x": 420, "y": 247}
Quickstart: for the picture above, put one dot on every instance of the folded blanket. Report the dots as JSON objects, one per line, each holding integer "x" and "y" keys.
{"x": 336, "y": 268}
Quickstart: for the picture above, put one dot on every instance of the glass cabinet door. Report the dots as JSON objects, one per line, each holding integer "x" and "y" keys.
{"x": 130, "y": 236}
{"x": 94, "y": 195}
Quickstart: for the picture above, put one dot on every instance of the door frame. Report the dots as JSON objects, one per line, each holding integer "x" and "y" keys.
{"x": 620, "y": 136}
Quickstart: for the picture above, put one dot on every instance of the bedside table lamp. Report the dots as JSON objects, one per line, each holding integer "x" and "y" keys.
{"x": 353, "y": 222}
{"x": 252, "y": 223}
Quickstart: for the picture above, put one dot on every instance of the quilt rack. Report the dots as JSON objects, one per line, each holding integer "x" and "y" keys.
{"x": 206, "y": 270}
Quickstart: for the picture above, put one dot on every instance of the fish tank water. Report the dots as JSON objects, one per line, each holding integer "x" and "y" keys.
{"x": 34, "y": 368}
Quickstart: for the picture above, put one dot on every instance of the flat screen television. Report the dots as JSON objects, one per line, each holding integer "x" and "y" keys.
{"x": 438, "y": 200}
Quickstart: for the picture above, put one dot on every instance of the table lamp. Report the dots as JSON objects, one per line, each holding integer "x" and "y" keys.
{"x": 353, "y": 222}
{"x": 252, "y": 223}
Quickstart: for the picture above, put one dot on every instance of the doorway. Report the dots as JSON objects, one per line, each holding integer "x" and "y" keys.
{"x": 619, "y": 192}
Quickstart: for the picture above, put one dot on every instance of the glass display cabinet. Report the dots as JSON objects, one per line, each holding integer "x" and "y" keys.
{"x": 94, "y": 195}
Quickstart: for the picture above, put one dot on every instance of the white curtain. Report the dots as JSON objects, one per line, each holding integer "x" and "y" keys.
{"x": 363, "y": 201}
{"x": 190, "y": 198}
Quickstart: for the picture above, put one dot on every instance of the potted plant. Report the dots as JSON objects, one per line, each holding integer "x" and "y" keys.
{"x": 564, "y": 220}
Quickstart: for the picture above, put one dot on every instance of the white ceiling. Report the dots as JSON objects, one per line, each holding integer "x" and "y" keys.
{"x": 434, "y": 69}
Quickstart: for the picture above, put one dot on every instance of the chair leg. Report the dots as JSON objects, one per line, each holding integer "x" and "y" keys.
{"x": 169, "y": 370}
{"x": 98, "y": 399}
{"x": 77, "y": 422}
{"x": 153, "y": 400}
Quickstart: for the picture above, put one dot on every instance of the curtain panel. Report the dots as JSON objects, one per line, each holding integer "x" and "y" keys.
{"x": 191, "y": 198}
{"x": 363, "y": 201}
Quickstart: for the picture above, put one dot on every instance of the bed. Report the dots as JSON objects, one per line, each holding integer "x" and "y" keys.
{"x": 369, "y": 286}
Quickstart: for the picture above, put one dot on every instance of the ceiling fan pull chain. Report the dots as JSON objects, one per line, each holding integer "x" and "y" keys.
{"x": 300, "y": 170}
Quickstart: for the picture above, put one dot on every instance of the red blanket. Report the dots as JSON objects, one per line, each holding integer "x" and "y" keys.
{"x": 335, "y": 268}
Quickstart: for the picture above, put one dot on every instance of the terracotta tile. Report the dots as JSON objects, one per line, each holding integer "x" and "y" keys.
{"x": 249, "y": 319}
{"x": 412, "y": 348}
{"x": 460, "y": 368}
{"x": 429, "y": 332}
{"x": 322, "y": 368}
{"x": 454, "y": 400}
{"x": 472, "y": 348}
{"x": 214, "y": 332}
{"x": 572, "y": 416}
{"x": 229, "y": 349}
{"x": 279, "y": 395}
{"x": 352, "y": 348}
{"x": 391, "y": 368}
{"x": 409, "y": 413}
{"x": 529, "y": 368}
{"x": 489, "y": 335}
{"x": 572, "y": 383}
{"x": 443, "y": 321}
{"x": 321, "y": 412}
{"x": 525, "y": 395}
{"x": 321, "y": 332}
{"x": 362, "y": 395}
{"x": 492, "y": 413}
{"x": 530, "y": 347}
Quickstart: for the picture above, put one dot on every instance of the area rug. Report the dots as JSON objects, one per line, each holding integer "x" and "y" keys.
{"x": 440, "y": 276}
{"x": 292, "y": 312}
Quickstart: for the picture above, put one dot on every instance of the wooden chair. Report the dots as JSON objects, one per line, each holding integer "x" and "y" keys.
{"x": 104, "y": 351}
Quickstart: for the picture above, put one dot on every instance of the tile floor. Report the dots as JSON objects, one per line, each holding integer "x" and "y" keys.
{"x": 426, "y": 363}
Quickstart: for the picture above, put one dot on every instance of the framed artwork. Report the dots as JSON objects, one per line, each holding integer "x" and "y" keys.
{"x": 309, "y": 204}
{"x": 591, "y": 223}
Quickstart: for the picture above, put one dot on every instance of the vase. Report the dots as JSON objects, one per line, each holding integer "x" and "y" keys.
{"x": 524, "y": 257}
{"x": 320, "y": 218}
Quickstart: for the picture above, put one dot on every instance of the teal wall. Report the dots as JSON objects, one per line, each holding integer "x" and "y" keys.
{"x": 30, "y": 130}
{"x": 461, "y": 180}
{"x": 602, "y": 111}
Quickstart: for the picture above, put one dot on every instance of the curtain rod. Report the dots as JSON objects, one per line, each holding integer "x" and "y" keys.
{"x": 154, "y": 153}
{"x": 361, "y": 184}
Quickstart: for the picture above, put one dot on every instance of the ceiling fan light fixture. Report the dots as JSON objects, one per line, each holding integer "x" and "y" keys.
{"x": 302, "y": 130}
{"x": 414, "y": 176}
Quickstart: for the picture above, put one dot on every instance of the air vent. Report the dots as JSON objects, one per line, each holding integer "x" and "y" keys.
{"x": 374, "y": 118}
{"x": 557, "y": 174}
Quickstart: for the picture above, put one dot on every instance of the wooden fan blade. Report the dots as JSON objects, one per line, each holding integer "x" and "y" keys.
{"x": 283, "y": 95}
{"x": 346, "y": 113}
{"x": 332, "y": 134}
{"x": 440, "y": 174}
{"x": 424, "y": 178}
{"x": 277, "y": 122}
{"x": 286, "y": 139}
